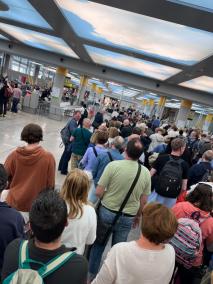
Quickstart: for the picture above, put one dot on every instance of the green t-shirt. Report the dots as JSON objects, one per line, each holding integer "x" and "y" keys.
{"x": 81, "y": 142}
{"x": 117, "y": 179}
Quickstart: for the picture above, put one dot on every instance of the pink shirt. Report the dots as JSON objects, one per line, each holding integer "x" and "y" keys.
{"x": 17, "y": 93}
{"x": 184, "y": 210}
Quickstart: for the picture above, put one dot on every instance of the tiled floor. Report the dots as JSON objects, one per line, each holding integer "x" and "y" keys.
{"x": 12, "y": 125}
{"x": 10, "y": 129}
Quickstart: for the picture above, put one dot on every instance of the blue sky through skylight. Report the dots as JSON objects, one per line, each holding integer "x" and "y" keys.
{"x": 131, "y": 64}
{"x": 39, "y": 40}
{"x": 202, "y": 83}
{"x": 200, "y": 4}
{"x": 135, "y": 32}
{"x": 22, "y": 11}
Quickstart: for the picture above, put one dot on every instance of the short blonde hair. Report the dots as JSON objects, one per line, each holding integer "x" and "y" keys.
{"x": 75, "y": 192}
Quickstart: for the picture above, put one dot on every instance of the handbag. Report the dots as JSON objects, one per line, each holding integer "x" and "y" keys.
{"x": 104, "y": 230}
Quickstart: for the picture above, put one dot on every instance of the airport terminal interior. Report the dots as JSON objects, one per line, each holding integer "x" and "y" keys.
{"x": 106, "y": 141}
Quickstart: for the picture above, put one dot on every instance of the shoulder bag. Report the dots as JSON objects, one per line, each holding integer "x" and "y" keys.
{"x": 104, "y": 230}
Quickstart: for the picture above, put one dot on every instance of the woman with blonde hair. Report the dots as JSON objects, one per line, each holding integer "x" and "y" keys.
{"x": 82, "y": 222}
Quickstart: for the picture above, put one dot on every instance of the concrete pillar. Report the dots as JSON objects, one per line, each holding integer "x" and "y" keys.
{"x": 208, "y": 122}
{"x": 151, "y": 107}
{"x": 144, "y": 104}
{"x": 160, "y": 107}
{"x": 199, "y": 122}
{"x": 36, "y": 73}
{"x": 183, "y": 113}
{"x": 6, "y": 63}
{"x": 82, "y": 88}
{"x": 93, "y": 93}
{"x": 99, "y": 92}
{"x": 57, "y": 92}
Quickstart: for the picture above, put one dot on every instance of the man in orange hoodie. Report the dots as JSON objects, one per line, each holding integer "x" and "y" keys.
{"x": 31, "y": 169}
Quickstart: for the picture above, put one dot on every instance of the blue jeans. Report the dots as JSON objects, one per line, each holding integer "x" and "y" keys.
{"x": 155, "y": 197}
{"x": 120, "y": 234}
{"x": 64, "y": 161}
{"x": 15, "y": 104}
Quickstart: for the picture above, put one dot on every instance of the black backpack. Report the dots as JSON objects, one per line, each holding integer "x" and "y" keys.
{"x": 170, "y": 179}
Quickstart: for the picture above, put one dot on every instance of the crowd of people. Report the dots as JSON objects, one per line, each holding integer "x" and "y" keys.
{"x": 128, "y": 172}
{"x": 10, "y": 94}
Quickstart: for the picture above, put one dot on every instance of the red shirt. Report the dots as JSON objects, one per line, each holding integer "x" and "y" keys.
{"x": 184, "y": 210}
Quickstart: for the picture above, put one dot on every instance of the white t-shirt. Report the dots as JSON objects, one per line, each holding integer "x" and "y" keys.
{"x": 81, "y": 231}
{"x": 115, "y": 113}
{"x": 130, "y": 264}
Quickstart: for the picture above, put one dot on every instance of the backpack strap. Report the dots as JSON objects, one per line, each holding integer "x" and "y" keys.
{"x": 24, "y": 260}
{"x": 23, "y": 253}
{"x": 55, "y": 264}
{"x": 110, "y": 156}
{"x": 95, "y": 151}
{"x": 46, "y": 269}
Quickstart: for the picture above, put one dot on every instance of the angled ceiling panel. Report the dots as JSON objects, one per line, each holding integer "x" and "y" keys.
{"x": 130, "y": 64}
{"x": 138, "y": 33}
{"x": 39, "y": 40}
{"x": 22, "y": 11}
{"x": 202, "y": 83}
{"x": 206, "y": 5}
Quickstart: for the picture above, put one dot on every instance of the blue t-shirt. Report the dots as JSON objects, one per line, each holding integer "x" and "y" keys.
{"x": 89, "y": 159}
{"x": 102, "y": 161}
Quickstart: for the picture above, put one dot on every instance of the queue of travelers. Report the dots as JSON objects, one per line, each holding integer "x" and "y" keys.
{"x": 127, "y": 172}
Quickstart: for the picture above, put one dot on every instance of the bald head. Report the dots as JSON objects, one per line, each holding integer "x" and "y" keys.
{"x": 126, "y": 122}
{"x": 86, "y": 123}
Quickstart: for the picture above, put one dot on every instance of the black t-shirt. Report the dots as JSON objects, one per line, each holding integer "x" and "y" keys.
{"x": 74, "y": 271}
{"x": 163, "y": 159}
{"x": 197, "y": 172}
{"x": 126, "y": 131}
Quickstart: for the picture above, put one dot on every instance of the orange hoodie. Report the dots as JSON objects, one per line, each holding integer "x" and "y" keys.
{"x": 30, "y": 172}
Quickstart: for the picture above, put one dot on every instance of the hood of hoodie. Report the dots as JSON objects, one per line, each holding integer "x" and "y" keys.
{"x": 29, "y": 157}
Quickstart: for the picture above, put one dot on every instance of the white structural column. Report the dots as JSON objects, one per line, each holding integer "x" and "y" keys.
{"x": 99, "y": 92}
{"x": 82, "y": 88}
{"x": 208, "y": 122}
{"x": 57, "y": 92}
{"x": 160, "y": 107}
{"x": 183, "y": 113}
{"x": 5, "y": 65}
{"x": 151, "y": 107}
{"x": 144, "y": 104}
{"x": 92, "y": 95}
{"x": 36, "y": 73}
